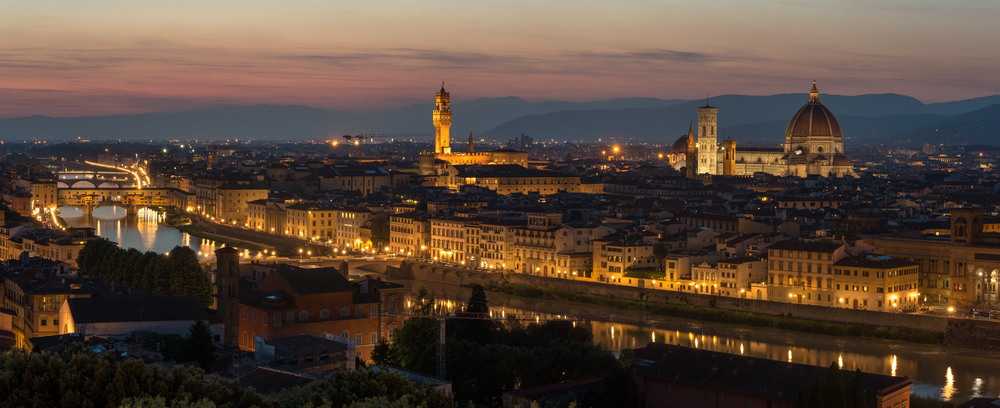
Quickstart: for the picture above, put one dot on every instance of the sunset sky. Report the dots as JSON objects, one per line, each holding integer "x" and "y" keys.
{"x": 71, "y": 58}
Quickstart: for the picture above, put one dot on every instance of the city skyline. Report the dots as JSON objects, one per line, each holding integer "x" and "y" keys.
{"x": 110, "y": 58}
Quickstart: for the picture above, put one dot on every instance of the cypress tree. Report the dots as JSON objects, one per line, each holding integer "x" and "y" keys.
{"x": 856, "y": 392}
{"x": 801, "y": 401}
{"x": 833, "y": 389}
{"x": 816, "y": 394}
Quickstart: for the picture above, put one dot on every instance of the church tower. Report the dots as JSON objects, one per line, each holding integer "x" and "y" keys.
{"x": 708, "y": 148}
{"x": 472, "y": 148}
{"x": 442, "y": 122}
{"x": 691, "y": 156}
{"x": 728, "y": 157}
{"x": 227, "y": 296}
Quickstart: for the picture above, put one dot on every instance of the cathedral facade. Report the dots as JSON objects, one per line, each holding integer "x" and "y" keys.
{"x": 432, "y": 163}
{"x": 814, "y": 145}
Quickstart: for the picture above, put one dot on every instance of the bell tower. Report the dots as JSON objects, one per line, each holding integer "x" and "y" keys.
{"x": 708, "y": 145}
{"x": 227, "y": 296}
{"x": 442, "y": 122}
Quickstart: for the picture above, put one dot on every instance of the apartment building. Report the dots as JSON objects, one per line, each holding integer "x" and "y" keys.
{"x": 448, "y": 241}
{"x": 410, "y": 234}
{"x": 311, "y": 221}
{"x": 802, "y": 272}
{"x": 233, "y": 202}
{"x": 876, "y": 282}
{"x": 496, "y": 243}
{"x": 350, "y": 221}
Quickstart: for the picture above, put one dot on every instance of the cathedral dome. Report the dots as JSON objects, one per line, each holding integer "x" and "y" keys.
{"x": 813, "y": 119}
{"x": 680, "y": 146}
{"x": 842, "y": 161}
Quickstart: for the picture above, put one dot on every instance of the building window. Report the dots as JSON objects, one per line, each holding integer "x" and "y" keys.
{"x": 245, "y": 312}
{"x": 373, "y": 336}
{"x": 246, "y": 338}
{"x": 358, "y": 312}
{"x": 358, "y": 339}
{"x": 345, "y": 334}
{"x": 748, "y": 401}
{"x": 264, "y": 318}
{"x": 373, "y": 311}
{"x": 670, "y": 388}
{"x": 255, "y": 315}
{"x": 344, "y": 312}
{"x": 323, "y": 314}
{"x": 303, "y": 315}
{"x": 45, "y": 322}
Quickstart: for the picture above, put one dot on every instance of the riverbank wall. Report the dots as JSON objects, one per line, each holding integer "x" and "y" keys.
{"x": 283, "y": 243}
{"x": 979, "y": 334}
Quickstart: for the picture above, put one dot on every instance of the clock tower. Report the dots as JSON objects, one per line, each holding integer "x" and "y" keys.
{"x": 442, "y": 122}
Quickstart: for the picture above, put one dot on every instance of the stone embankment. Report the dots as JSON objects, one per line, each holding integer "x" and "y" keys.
{"x": 979, "y": 334}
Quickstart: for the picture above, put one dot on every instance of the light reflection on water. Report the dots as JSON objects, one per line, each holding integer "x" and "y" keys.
{"x": 143, "y": 232}
{"x": 952, "y": 374}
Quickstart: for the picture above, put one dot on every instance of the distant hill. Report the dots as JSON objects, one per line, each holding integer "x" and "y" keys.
{"x": 979, "y": 126}
{"x": 757, "y": 119}
{"x": 748, "y": 119}
{"x": 857, "y": 129}
{"x": 294, "y": 121}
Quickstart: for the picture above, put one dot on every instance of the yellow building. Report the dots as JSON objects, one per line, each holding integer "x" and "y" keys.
{"x": 232, "y": 204}
{"x": 311, "y": 221}
{"x": 350, "y": 220}
{"x": 410, "y": 234}
{"x": 876, "y": 282}
{"x": 448, "y": 241}
{"x": 802, "y": 272}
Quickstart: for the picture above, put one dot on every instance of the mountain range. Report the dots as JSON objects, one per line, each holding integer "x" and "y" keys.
{"x": 881, "y": 118}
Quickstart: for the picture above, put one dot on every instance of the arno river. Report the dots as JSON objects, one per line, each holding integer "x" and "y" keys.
{"x": 953, "y": 374}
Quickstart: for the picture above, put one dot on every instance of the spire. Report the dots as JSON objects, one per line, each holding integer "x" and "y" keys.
{"x": 814, "y": 94}
{"x": 472, "y": 148}
{"x": 690, "y": 131}
{"x": 442, "y": 86}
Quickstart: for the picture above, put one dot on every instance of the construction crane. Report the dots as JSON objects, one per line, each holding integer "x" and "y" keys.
{"x": 472, "y": 316}
{"x": 359, "y": 139}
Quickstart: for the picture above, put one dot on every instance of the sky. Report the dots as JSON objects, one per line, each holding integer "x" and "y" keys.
{"x": 89, "y": 58}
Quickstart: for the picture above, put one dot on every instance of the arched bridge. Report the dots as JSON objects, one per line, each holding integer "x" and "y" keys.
{"x": 132, "y": 199}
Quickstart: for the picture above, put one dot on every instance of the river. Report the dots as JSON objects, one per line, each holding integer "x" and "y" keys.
{"x": 144, "y": 232}
{"x": 952, "y": 374}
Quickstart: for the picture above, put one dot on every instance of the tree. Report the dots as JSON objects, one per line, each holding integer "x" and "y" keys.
{"x": 380, "y": 232}
{"x": 816, "y": 394}
{"x": 382, "y": 353}
{"x": 479, "y": 331}
{"x": 162, "y": 284}
{"x": 801, "y": 401}
{"x": 833, "y": 388}
{"x": 344, "y": 388}
{"x": 188, "y": 278}
{"x": 417, "y": 335}
{"x": 856, "y": 392}
{"x": 81, "y": 378}
{"x": 199, "y": 347}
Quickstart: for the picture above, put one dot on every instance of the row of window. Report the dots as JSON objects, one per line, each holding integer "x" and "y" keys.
{"x": 304, "y": 315}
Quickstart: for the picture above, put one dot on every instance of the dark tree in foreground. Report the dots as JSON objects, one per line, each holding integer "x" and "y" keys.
{"x": 200, "y": 347}
{"x": 833, "y": 389}
{"x": 856, "y": 392}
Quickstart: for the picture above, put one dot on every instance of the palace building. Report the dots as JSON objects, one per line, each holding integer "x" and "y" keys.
{"x": 814, "y": 145}
{"x": 431, "y": 163}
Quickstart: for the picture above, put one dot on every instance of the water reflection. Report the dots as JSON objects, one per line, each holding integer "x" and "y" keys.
{"x": 141, "y": 231}
{"x": 966, "y": 372}
{"x": 948, "y": 391}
